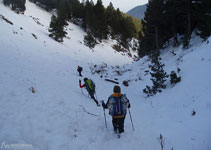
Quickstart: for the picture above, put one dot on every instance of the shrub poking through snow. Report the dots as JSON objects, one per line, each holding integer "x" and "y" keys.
{"x": 193, "y": 113}
{"x": 174, "y": 79}
{"x": 32, "y": 89}
{"x": 125, "y": 83}
{"x": 99, "y": 69}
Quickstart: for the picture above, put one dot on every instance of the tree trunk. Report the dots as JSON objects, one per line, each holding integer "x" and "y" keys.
{"x": 156, "y": 38}
{"x": 186, "y": 42}
{"x": 174, "y": 34}
{"x": 189, "y": 20}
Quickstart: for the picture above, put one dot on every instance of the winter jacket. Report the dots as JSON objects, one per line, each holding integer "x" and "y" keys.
{"x": 79, "y": 69}
{"x": 113, "y": 106}
{"x": 88, "y": 86}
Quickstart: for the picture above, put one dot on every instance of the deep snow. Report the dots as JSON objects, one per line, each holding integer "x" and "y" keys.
{"x": 55, "y": 117}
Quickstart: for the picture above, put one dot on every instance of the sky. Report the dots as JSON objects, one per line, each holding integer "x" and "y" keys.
{"x": 124, "y": 5}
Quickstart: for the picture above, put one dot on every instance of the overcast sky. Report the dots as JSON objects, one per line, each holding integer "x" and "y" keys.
{"x": 124, "y": 5}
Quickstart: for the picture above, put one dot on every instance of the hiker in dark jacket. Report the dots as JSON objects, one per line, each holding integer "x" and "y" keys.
{"x": 80, "y": 70}
{"x": 90, "y": 87}
{"x": 117, "y": 104}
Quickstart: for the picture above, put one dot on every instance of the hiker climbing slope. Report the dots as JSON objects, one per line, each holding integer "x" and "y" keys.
{"x": 117, "y": 104}
{"x": 90, "y": 87}
{"x": 79, "y": 69}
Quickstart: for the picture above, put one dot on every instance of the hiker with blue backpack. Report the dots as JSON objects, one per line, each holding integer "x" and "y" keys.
{"x": 117, "y": 104}
{"x": 90, "y": 87}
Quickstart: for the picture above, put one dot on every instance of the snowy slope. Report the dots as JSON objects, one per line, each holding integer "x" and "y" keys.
{"x": 56, "y": 115}
{"x": 36, "y": 21}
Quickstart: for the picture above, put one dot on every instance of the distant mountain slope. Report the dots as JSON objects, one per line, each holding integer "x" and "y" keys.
{"x": 138, "y": 11}
{"x": 32, "y": 28}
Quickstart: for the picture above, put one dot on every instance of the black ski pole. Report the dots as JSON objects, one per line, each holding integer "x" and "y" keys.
{"x": 104, "y": 113}
{"x": 131, "y": 119}
{"x": 96, "y": 95}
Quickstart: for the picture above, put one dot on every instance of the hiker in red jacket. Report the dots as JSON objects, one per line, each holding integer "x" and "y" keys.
{"x": 90, "y": 87}
{"x": 80, "y": 70}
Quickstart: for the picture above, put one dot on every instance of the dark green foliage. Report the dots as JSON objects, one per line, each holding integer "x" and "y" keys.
{"x": 174, "y": 78}
{"x": 78, "y": 9}
{"x": 46, "y": 4}
{"x": 90, "y": 17}
{"x": 102, "y": 22}
{"x": 148, "y": 91}
{"x": 89, "y": 40}
{"x": 97, "y": 21}
{"x": 101, "y": 29}
{"x": 166, "y": 19}
{"x": 158, "y": 76}
{"x": 16, "y": 5}
{"x": 174, "y": 19}
{"x": 127, "y": 30}
{"x": 110, "y": 18}
{"x": 62, "y": 12}
{"x": 202, "y": 15}
{"x": 153, "y": 24}
{"x": 57, "y": 28}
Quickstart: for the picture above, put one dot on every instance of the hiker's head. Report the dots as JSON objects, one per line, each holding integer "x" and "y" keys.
{"x": 85, "y": 79}
{"x": 117, "y": 89}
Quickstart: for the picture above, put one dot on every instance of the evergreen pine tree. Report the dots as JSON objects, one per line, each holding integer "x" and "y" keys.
{"x": 16, "y": 5}
{"x": 175, "y": 19}
{"x": 153, "y": 28}
{"x": 89, "y": 40}
{"x": 101, "y": 29}
{"x": 62, "y": 11}
{"x": 202, "y": 14}
{"x": 116, "y": 23}
{"x": 90, "y": 17}
{"x": 188, "y": 31}
{"x": 110, "y": 17}
{"x": 158, "y": 76}
{"x": 57, "y": 28}
{"x": 127, "y": 30}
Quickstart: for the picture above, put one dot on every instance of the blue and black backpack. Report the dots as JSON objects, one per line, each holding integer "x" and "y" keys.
{"x": 118, "y": 106}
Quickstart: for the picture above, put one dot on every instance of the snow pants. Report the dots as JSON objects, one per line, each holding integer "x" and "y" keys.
{"x": 91, "y": 93}
{"x": 118, "y": 123}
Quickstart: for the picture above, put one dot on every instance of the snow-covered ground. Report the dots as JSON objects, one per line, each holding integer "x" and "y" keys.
{"x": 56, "y": 115}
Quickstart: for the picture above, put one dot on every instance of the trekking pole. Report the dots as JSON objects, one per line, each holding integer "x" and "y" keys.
{"x": 105, "y": 118}
{"x": 104, "y": 114}
{"x": 131, "y": 119}
{"x": 96, "y": 95}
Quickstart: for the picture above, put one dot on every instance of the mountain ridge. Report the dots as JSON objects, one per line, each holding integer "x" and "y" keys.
{"x": 138, "y": 11}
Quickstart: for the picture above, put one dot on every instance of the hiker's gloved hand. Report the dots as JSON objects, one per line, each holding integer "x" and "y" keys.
{"x": 129, "y": 105}
{"x": 103, "y": 104}
{"x": 79, "y": 81}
